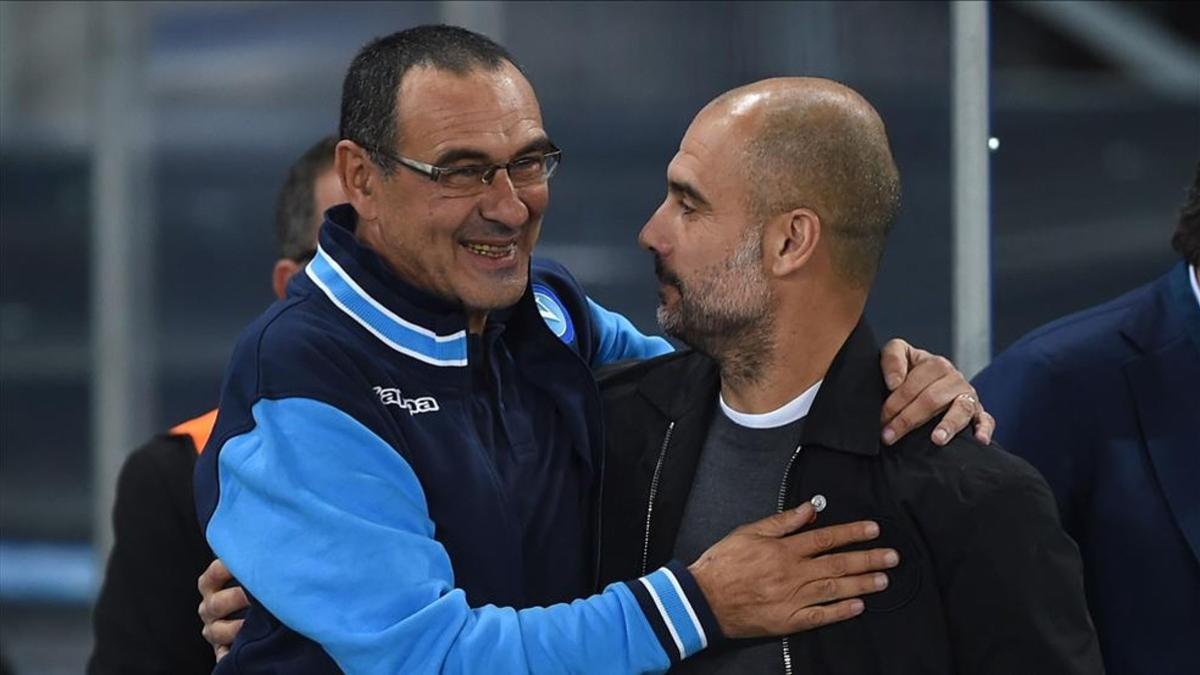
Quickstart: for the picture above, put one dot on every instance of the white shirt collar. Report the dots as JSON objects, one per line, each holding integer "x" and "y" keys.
{"x": 789, "y": 412}
{"x": 1195, "y": 286}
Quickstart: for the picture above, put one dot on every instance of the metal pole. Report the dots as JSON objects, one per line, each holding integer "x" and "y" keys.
{"x": 972, "y": 273}
{"x": 122, "y": 264}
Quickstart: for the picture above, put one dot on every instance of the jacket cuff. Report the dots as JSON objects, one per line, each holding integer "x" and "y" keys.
{"x": 677, "y": 611}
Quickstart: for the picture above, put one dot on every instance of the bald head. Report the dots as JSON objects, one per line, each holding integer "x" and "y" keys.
{"x": 815, "y": 143}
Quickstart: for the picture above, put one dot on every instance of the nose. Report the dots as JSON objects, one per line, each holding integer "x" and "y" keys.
{"x": 502, "y": 203}
{"x": 653, "y": 234}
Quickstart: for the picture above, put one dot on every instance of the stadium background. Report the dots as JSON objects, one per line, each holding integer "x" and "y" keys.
{"x": 1099, "y": 133}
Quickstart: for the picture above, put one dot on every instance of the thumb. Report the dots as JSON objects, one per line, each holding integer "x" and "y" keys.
{"x": 783, "y": 524}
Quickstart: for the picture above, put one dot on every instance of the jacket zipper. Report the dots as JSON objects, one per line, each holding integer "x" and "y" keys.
{"x": 662, "y": 453}
{"x": 783, "y": 490}
{"x": 599, "y": 518}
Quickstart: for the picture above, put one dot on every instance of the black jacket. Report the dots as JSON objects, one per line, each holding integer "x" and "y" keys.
{"x": 145, "y": 620}
{"x": 988, "y": 581}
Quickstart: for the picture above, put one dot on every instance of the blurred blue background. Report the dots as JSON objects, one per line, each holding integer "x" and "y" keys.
{"x": 1098, "y": 139}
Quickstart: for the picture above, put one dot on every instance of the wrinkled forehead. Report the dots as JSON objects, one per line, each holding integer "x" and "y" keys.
{"x": 488, "y": 110}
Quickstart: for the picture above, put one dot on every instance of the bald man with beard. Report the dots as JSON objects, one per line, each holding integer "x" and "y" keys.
{"x": 779, "y": 202}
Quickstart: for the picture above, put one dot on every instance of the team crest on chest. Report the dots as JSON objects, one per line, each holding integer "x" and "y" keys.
{"x": 554, "y": 313}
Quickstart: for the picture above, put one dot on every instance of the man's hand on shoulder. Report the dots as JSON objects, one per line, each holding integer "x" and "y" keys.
{"x": 923, "y": 385}
{"x": 764, "y": 578}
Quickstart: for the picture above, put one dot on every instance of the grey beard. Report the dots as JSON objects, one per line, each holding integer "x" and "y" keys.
{"x": 737, "y": 335}
{"x": 742, "y": 354}
{"x": 727, "y": 313}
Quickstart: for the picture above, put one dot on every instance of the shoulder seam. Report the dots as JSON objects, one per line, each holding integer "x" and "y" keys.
{"x": 1115, "y": 306}
{"x": 262, "y": 334}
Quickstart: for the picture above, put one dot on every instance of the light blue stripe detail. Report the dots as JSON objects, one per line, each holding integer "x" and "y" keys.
{"x": 328, "y": 527}
{"x": 403, "y": 336}
{"x": 617, "y": 339}
{"x": 677, "y": 614}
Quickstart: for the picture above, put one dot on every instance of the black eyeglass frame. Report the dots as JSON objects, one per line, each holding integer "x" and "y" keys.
{"x": 551, "y": 159}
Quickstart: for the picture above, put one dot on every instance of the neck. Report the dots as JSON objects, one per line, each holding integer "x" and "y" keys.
{"x": 803, "y": 341}
{"x": 476, "y": 320}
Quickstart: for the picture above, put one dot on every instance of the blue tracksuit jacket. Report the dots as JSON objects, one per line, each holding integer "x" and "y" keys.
{"x": 398, "y": 495}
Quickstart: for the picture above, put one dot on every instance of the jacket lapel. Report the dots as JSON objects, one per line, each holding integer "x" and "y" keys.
{"x": 1165, "y": 382}
{"x": 686, "y": 394}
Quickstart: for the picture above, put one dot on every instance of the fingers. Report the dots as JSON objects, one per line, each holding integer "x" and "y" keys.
{"x": 845, "y": 588}
{"x": 217, "y": 603}
{"x": 220, "y": 634}
{"x": 963, "y": 409}
{"x": 853, "y": 563}
{"x": 782, "y": 524}
{"x": 809, "y": 618}
{"x": 925, "y": 371}
{"x": 894, "y": 361}
{"x": 985, "y": 426}
{"x": 214, "y": 578}
{"x": 815, "y": 542}
{"x": 923, "y": 405}
{"x": 221, "y": 604}
{"x": 850, "y": 575}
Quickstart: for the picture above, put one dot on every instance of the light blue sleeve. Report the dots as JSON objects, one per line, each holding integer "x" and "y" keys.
{"x": 328, "y": 527}
{"x": 617, "y": 339}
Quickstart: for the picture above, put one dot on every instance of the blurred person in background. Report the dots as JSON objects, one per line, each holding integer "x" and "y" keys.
{"x": 1106, "y": 404}
{"x": 779, "y": 203}
{"x": 145, "y": 617}
{"x": 427, "y": 370}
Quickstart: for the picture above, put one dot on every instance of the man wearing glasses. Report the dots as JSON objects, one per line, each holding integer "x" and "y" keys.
{"x": 409, "y": 447}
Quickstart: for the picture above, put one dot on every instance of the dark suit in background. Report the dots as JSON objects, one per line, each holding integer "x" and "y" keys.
{"x": 1106, "y": 404}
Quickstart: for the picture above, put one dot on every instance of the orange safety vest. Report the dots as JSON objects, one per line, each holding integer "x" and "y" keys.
{"x": 198, "y": 428}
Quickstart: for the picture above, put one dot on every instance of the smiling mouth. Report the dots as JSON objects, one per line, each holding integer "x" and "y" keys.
{"x": 493, "y": 251}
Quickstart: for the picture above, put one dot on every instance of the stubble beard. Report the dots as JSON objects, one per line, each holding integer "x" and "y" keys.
{"x": 726, "y": 312}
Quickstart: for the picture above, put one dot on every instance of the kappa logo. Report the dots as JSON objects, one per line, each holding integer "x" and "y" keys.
{"x": 421, "y": 404}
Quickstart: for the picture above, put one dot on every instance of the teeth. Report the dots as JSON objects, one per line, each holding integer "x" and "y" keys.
{"x": 491, "y": 251}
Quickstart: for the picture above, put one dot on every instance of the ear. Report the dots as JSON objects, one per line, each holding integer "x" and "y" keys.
{"x": 358, "y": 176}
{"x": 282, "y": 274}
{"x": 795, "y": 237}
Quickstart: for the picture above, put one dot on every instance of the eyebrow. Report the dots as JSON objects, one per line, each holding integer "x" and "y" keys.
{"x": 688, "y": 190}
{"x": 459, "y": 154}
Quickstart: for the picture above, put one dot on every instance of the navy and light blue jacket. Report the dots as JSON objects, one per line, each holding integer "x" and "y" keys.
{"x": 398, "y": 495}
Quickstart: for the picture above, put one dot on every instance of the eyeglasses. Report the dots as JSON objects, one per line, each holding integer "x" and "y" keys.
{"x": 524, "y": 171}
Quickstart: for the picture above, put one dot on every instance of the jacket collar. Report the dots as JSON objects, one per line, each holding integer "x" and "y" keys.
{"x": 684, "y": 381}
{"x": 844, "y": 416}
{"x": 1172, "y": 313}
{"x": 1162, "y": 380}
{"x": 359, "y": 283}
